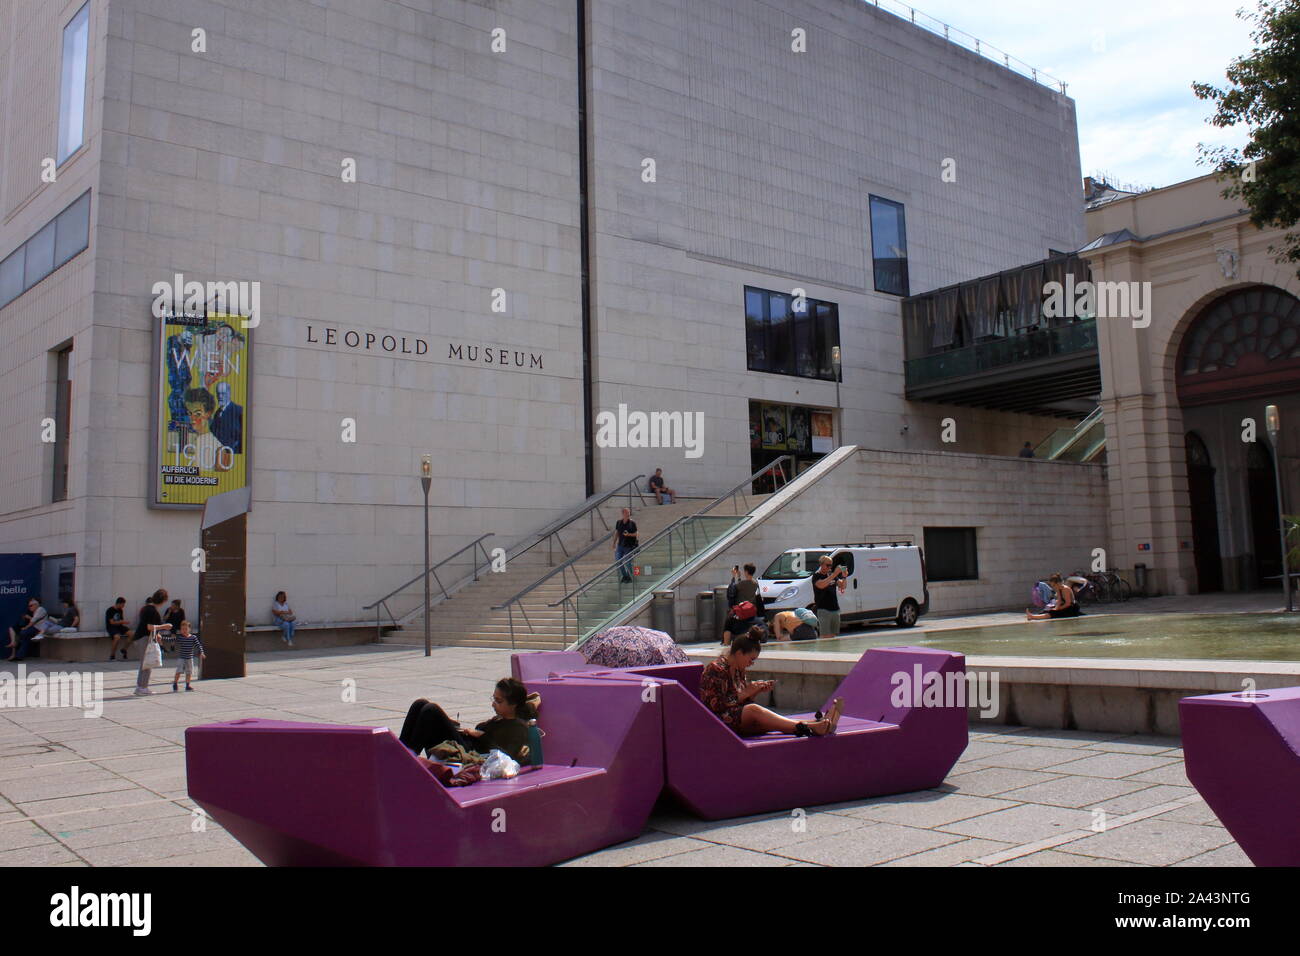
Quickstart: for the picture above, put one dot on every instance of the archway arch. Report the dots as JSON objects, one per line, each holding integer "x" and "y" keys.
{"x": 1243, "y": 344}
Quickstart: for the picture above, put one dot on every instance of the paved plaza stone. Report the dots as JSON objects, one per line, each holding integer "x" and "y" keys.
{"x": 110, "y": 791}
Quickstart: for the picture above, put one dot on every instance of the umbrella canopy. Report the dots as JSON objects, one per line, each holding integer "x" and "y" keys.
{"x": 629, "y": 646}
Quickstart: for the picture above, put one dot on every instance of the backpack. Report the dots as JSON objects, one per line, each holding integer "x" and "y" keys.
{"x": 1042, "y": 593}
{"x": 744, "y": 611}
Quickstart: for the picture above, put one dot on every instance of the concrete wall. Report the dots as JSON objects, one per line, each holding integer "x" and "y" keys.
{"x": 225, "y": 165}
{"x": 1032, "y": 518}
{"x": 765, "y": 161}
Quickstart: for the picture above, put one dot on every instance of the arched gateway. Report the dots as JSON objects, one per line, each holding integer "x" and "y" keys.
{"x": 1239, "y": 353}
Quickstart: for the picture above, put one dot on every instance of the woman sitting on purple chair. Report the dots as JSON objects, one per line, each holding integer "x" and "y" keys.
{"x": 726, "y": 691}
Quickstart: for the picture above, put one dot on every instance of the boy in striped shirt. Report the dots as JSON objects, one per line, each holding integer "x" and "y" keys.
{"x": 187, "y": 645}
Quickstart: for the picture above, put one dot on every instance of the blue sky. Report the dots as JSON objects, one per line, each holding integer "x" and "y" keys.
{"x": 1129, "y": 65}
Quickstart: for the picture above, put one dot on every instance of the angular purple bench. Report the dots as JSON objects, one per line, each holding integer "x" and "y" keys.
{"x": 300, "y": 794}
{"x": 1242, "y": 754}
{"x": 881, "y": 748}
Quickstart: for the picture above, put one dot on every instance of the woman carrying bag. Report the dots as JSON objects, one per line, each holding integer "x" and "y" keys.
{"x": 151, "y": 623}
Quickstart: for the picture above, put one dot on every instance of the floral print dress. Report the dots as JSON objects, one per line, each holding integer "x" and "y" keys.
{"x": 720, "y": 692}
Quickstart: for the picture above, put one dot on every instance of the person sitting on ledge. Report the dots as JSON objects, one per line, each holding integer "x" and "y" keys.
{"x": 1066, "y": 604}
{"x": 726, "y": 691}
{"x": 284, "y": 617}
{"x": 428, "y": 725}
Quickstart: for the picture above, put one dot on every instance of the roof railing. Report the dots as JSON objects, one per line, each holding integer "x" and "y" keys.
{"x": 968, "y": 42}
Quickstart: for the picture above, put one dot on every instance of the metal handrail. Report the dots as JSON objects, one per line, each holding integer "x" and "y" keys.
{"x": 773, "y": 465}
{"x": 433, "y": 569}
{"x": 591, "y": 508}
{"x": 678, "y": 525}
{"x": 558, "y": 569}
{"x": 509, "y": 604}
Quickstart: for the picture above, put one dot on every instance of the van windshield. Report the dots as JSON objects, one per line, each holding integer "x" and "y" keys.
{"x": 783, "y": 567}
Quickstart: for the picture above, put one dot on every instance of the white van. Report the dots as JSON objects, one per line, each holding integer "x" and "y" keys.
{"x": 886, "y": 581}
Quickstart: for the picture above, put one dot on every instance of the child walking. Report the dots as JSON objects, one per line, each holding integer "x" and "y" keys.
{"x": 187, "y": 645}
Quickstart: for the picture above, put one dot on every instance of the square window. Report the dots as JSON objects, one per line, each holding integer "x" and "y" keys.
{"x": 951, "y": 554}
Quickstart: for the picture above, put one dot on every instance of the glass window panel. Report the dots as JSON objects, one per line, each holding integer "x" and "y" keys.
{"x": 72, "y": 85}
{"x": 828, "y": 336}
{"x": 780, "y": 334}
{"x": 805, "y": 339}
{"x": 889, "y": 246}
{"x": 73, "y": 231}
{"x": 755, "y": 330}
{"x": 11, "y": 277}
{"x": 40, "y": 256}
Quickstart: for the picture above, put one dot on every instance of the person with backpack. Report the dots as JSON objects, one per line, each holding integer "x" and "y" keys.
{"x": 1065, "y": 604}
{"x": 745, "y": 602}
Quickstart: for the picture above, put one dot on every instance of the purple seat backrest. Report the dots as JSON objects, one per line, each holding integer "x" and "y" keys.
{"x": 584, "y": 720}
{"x": 538, "y": 665}
{"x": 885, "y": 683}
{"x": 1243, "y": 756}
{"x": 688, "y": 675}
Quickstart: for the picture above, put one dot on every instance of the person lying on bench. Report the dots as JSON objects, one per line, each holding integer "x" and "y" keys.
{"x": 727, "y": 692}
{"x": 428, "y": 725}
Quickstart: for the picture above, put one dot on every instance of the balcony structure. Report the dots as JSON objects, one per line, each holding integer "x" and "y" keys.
{"x": 988, "y": 343}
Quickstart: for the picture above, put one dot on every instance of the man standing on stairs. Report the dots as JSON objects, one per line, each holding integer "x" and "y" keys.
{"x": 624, "y": 544}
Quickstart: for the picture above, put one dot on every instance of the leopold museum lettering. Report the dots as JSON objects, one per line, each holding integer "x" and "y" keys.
{"x": 366, "y": 341}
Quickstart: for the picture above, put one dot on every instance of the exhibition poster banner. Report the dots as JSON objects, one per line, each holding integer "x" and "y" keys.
{"x": 202, "y": 414}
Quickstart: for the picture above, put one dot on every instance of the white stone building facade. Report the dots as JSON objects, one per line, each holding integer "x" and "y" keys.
{"x": 230, "y": 163}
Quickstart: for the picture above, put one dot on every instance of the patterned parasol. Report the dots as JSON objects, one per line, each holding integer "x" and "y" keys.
{"x": 630, "y": 646}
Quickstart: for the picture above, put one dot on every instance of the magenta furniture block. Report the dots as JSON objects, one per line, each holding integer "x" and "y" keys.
{"x": 1242, "y": 754}
{"x": 538, "y": 665}
{"x": 882, "y": 747}
{"x": 300, "y": 794}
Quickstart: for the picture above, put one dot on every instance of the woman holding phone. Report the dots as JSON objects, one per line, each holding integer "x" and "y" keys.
{"x": 726, "y": 691}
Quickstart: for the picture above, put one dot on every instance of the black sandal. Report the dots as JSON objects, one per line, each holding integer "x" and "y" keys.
{"x": 802, "y": 730}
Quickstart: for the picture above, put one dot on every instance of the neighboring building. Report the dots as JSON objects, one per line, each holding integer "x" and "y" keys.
{"x": 1190, "y": 496}
{"x": 881, "y": 162}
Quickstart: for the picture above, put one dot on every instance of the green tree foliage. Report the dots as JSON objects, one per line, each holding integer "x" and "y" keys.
{"x": 1264, "y": 94}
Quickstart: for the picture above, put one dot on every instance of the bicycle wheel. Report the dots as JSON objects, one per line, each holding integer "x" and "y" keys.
{"x": 1124, "y": 588}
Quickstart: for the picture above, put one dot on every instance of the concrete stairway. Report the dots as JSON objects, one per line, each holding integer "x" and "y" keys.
{"x": 468, "y": 618}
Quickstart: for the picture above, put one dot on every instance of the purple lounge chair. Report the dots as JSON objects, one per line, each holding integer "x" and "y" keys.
{"x": 880, "y": 748}
{"x": 1242, "y": 754}
{"x": 299, "y": 794}
{"x": 538, "y": 665}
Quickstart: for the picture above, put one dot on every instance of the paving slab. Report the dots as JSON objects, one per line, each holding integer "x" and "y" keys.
{"x": 1023, "y": 824}
{"x": 1154, "y": 842}
{"x": 871, "y": 844}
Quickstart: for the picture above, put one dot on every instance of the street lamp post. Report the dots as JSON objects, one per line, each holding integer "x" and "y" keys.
{"x": 839, "y": 414}
{"x": 1272, "y": 421}
{"x": 426, "y": 480}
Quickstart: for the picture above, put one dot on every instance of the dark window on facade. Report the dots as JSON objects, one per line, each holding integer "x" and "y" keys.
{"x": 72, "y": 227}
{"x": 951, "y": 555}
{"x": 55, "y": 243}
{"x": 889, "y": 246}
{"x": 40, "y": 256}
{"x": 62, "y": 421}
{"x": 789, "y": 336}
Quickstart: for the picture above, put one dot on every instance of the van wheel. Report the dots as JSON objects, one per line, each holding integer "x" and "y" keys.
{"x": 907, "y": 614}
